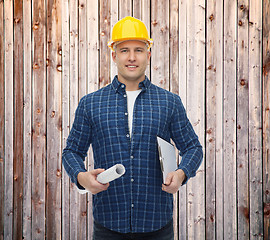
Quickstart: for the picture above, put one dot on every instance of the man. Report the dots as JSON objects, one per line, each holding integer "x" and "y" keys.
{"x": 122, "y": 122}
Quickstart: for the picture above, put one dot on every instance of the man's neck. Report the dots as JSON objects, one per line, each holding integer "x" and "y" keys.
{"x": 130, "y": 85}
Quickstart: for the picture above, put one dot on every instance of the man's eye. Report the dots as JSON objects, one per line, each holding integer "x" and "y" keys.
{"x": 123, "y": 51}
{"x": 139, "y": 50}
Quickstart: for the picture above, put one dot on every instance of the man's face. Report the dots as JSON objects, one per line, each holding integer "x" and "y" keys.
{"x": 131, "y": 58}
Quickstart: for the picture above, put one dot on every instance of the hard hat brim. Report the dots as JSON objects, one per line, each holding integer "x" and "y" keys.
{"x": 112, "y": 44}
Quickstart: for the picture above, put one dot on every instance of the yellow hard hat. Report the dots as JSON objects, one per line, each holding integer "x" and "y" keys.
{"x": 129, "y": 28}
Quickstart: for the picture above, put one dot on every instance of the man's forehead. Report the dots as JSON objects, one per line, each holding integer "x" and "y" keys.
{"x": 132, "y": 44}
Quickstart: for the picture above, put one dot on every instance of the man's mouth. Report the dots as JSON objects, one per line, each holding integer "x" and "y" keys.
{"x": 131, "y": 66}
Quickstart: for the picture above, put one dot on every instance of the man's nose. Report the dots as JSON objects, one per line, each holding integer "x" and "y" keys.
{"x": 132, "y": 56}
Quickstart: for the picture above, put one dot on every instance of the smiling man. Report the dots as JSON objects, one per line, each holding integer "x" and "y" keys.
{"x": 122, "y": 122}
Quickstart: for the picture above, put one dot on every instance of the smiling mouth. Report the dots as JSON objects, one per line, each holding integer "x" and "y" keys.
{"x": 131, "y": 66}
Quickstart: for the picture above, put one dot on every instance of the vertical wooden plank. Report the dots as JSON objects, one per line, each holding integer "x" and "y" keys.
{"x": 195, "y": 110}
{"x": 173, "y": 47}
{"x": 219, "y": 120}
{"x": 65, "y": 115}
{"x": 214, "y": 98}
{"x": 137, "y": 8}
{"x": 82, "y": 220}
{"x": 8, "y": 169}
{"x": 242, "y": 121}
{"x": 92, "y": 84}
{"x": 141, "y": 10}
{"x": 27, "y": 134}
{"x": 114, "y": 19}
{"x": 174, "y": 76}
{"x": 2, "y": 118}
{"x": 74, "y": 98}
{"x": 266, "y": 117}
{"x": 160, "y": 34}
{"x": 255, "y": 117}
{"x": 230, "y": 207}
{"x": 182, "y": 205}
{"x": 39, "y": 119}
{"x": 54, "y": 120}
{"x": 105, "y": 52}
{"x": 125, "y": 8}
{"x": 18, "y": 119}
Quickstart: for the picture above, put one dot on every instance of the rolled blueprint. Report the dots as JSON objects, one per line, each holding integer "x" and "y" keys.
{"x": 111, "y": 174}
{"x": 108, "y": 175}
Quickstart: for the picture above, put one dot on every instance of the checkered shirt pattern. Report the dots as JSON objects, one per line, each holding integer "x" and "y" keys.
{"x": 134, "y": 202}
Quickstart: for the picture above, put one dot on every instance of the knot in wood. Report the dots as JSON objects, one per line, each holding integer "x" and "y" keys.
{"x": 240, "y": 23}
{"x": 35, "y": 66}
{"x": 36, "y": 26}
{"x": 211, "y": 17}
{"x": 17, "y": 20}
{"x": 52, "y": 114}
{"x": 243, "y": 82}
{"x": 59, "y": 68}
{"x": 154, "y": 23}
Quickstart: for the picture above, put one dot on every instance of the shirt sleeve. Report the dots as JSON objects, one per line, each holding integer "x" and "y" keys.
{"x": 186, "y": 140}
{"x": 78, "y": 143}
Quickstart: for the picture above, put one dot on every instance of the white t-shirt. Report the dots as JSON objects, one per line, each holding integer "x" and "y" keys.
{"x": 131, "y": 97}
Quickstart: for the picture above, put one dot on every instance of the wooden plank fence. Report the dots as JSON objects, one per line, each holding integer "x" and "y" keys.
{"x": 214, "y": 54}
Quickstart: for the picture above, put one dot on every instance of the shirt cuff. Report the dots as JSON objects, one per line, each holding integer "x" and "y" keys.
{"x": 187, "y": 175}
{"x": 75, "y": 180}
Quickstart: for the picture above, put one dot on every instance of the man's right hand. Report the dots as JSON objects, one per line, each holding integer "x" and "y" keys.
{"x": 88, "y": 180}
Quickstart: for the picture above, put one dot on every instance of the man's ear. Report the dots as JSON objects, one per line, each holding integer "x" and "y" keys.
{"x": 113, "y": 56}
{"x": 149, "y": 56}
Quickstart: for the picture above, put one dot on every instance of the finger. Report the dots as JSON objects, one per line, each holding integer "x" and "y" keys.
{"x": 169, "y": 179}
{"x": 97, "y": 171}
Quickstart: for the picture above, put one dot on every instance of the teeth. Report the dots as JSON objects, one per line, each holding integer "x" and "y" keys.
{"x": 132, "y": 66}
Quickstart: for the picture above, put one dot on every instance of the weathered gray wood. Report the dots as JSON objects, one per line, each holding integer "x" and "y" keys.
{"x": 92, "y": 85}
{"x": 195, "y": 110}
{"x": 54, "y": 120}
{"x": 242, "y": 120}
{"x": 266, "y": 117}
{"x": 82, "y": 71}
{"x": 73, "y": 101}
{"x": 229, "y": 167}
{"x": 160, "y": 34}
{"x": 182, "y": 203}
{"x": 2, "y": 120}
{"x": 9, "y": 114}
{"x": 174, "y": 77}
{"x": 104, "y": 37}
{"x": 214, "y": 176}
{"x": 255, "y": 117}
{"x": 18, "y": 119}
{"x": 39, "y": 119}
{"x": 65, "y": 115}
{"x": 125, "y": 8}
{"x": 27, "y": 141}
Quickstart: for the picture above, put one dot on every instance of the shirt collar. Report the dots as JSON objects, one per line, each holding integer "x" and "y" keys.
{"x": 119, "y": 87}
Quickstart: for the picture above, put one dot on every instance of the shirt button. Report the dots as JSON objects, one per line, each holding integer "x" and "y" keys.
{"x": 131, "y": 157}
{"x": 132, "y": 205}
{"x": 127, "y": 135}
{"x": 126, "y": 114}
{"x": 125, "y": 95}
{"x": 122, "y": 85}
{"x": 132, "y": 180}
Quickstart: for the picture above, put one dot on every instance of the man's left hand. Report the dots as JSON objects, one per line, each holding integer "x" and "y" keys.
{"x": 174, "y": 181}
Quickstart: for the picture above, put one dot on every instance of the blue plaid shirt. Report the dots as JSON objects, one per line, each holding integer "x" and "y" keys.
{"x": 134, "y": 202}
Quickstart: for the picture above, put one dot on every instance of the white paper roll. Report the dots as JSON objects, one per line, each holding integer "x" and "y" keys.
{"x": 109, "y": 175}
